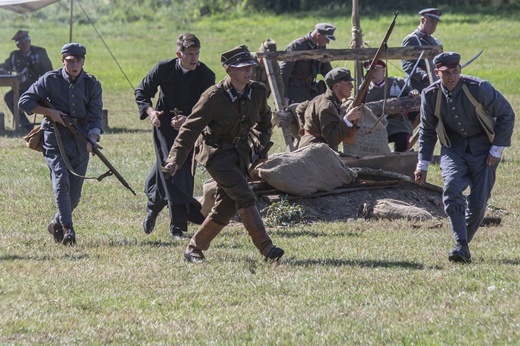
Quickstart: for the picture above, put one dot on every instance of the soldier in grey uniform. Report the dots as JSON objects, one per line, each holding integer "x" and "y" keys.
{"x": 299, "y": 77}
{"x": 77, "y": 95}
{"x": 473, "y": 123}
{"x": 398, "y": 126}
{"x": 422, "y": 36}
{"x": 225, "y": 117}
{"x": 325, "y": 120}
{"x": 29, "y": 63}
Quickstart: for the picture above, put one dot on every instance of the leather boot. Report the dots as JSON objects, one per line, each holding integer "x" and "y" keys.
{"x": 460, "y": 253}
{"x": 69, "y": 236}
{"x": 149, "y": 221}
{"x": 56, "y": 230}
{"x": 255, "y": 227}
{"x": 201, "y": 240}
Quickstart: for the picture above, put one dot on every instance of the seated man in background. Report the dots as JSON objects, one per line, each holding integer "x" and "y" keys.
{"x": 29, "y": 63}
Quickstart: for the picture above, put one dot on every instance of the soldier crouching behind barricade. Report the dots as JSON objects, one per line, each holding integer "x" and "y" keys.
{"x": 325, "y": 120}
{"x": 225, "y": 117}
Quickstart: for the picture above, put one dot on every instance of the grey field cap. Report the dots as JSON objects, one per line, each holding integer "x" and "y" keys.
{"x": 337, "y": 75}
{"x": 74, "y": 50}
{"x": 446, "y": 60}
{"x": 326, "y": 29}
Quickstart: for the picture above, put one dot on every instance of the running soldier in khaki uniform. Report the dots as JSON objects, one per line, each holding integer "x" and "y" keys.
{"x": 224, "y": 117}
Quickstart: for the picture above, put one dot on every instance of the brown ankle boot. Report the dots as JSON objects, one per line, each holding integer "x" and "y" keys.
{"x": 255, "y": 227}
{"x": 201, "y": 240}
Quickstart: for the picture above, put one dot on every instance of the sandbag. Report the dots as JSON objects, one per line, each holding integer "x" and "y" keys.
{"x": 209, "y": 193}
{"x": 369, "y": 140}
{"x": 313, "y": 168}
{"x": 393, "y": 209}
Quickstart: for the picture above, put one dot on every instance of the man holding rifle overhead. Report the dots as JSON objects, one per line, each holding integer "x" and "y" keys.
{"x": 75, "y": 94}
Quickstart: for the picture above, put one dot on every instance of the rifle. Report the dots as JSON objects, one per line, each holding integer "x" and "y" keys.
{"x": 95, "y": 147}
{"x": 256, "y": 160}
{"x": 360, "y": 96}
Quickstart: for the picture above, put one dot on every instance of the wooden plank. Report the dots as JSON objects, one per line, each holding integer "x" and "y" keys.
{"x": 289, "y": 146}
{"x": 328, "y": 55}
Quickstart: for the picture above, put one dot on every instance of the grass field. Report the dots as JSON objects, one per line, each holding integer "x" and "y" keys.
{"x": 341, "y": 283}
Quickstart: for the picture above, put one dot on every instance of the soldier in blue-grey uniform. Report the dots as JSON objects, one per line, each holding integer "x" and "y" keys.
{"x": 221, "y": 126}
{"x": 422, "y": 36}
{"x": 473, "y": 123}
{"x": 73, "y": 93}
{"x": 29, "y": 63}
{"x": 299, "y": 77}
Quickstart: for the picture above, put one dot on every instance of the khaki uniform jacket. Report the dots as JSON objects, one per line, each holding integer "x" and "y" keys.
{"x": 223, "y": 119}
{"x": 324, "y": 121}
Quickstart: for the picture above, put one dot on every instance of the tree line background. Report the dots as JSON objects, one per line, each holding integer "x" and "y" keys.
{"x": 182, "y": 11}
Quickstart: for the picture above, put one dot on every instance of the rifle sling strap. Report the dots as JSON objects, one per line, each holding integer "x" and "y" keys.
{"x": 66, "y": 158}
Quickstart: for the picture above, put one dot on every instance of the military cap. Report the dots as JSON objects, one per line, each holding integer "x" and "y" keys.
{"x": 73, "y": 49}
{"x": 433, "y": 13}
{"x": 20, "y": 36}
{"x": 337, "y": 75}
{"x": 446, "y": 60}
{"x": 237, "y": 57}
{"x": 326, "y": 29}
{"x": 367, "y": 63}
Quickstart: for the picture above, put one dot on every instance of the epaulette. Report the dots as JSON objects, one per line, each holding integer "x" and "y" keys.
{"x": 54, "y": 73}
{"x": 91, "y": 77}
{"x": 470, "y": 80}
{"x": 258, "y": 85}
{"x": 214, "y": 89}
{"x": 434, "y": 86}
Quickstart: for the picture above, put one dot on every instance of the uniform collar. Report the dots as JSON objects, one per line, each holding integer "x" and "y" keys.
{"x": 233, "y": 93}
{"x": 312, "y": 45}
{"x": 66, "y": 76}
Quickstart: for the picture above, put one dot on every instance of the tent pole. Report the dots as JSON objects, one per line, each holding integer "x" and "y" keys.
{"x": 70, "y": 19}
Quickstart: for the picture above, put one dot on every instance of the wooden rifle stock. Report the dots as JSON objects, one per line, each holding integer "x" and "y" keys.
{"x": 360, "y": 96}
{"x": 95, "y": 148}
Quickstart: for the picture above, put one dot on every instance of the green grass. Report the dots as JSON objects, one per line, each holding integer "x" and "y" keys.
{"x": 340, "y": 283}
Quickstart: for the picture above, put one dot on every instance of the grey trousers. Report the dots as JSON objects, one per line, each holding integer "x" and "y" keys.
{"x": 67, "y": 187}
{"x": 460, "y": 170}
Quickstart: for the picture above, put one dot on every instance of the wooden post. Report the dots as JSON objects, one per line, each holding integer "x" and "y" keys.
{"x": 104, "y": 120}
{"x": 357, "y": 41}
{"x": 2, "y": 123}
{"x": 289, "y": 146}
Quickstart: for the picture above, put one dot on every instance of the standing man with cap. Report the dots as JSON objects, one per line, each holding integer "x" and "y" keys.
{"x": 325, "y": 119}
{"x": 29, "y": 63}
{"x": 76, "y": 95}
{"x": 226, "y": 117}
{"x": 181, "y": 82}
{"x": 473, "y": 123}
{"x": 299, "y": 77}
{"x": 422, "y": 36}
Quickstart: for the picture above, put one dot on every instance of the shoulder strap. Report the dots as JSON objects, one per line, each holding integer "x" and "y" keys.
{"x": 486, "y": 121}
{"x": 441, "y": 131}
